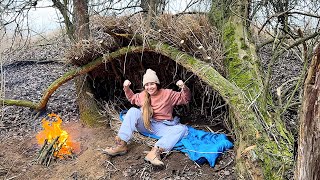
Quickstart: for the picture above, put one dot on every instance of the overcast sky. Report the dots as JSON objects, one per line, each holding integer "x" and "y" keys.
{"x": 43, "y": 19}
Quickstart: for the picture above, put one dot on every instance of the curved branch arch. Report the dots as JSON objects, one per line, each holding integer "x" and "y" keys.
{"x": 203, "y": 70}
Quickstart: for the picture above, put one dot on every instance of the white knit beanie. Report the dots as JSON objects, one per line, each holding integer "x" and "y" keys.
{"x": 150, "y": 76}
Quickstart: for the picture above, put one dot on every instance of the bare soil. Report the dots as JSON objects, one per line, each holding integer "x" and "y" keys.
{"x": 18, "y": 147}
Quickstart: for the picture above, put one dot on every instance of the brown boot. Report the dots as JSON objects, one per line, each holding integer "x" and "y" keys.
{"x": 154, "y": 156}
{"x": 120, "y": 148}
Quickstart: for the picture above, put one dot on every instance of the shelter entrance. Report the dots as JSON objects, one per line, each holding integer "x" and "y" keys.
{"x": 206, "y": 109}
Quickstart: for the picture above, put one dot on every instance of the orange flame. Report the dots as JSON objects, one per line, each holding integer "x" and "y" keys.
{"x": 52, "y": 130}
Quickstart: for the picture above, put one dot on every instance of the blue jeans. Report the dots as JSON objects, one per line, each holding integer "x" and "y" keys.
{"x": 169, "y": 134}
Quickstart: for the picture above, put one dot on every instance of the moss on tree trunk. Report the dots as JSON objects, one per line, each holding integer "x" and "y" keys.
{"x": 89, "y": 112}
{"x": 264, "y": 146}
{"x": 88, "y": 107}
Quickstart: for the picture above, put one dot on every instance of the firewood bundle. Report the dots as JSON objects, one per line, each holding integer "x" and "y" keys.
{"x": 50, "y": 151}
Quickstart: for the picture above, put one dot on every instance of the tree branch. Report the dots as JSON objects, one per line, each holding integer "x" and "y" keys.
{"x": 64, "y": 12}
{"x": 198, "y": 67}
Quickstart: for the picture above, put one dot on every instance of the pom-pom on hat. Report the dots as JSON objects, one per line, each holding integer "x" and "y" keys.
{"x": 150, "y": 76}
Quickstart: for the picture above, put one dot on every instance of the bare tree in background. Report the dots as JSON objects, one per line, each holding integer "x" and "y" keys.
{"x": 14, "y": 19}
{"x": 88, "y": 108}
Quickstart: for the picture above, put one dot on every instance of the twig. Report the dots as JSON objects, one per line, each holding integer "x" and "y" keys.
{"x": 183, "y": 169}
{"x": 223, "y": 166}
{"x": 13, "y": 177}
{"x": 142, "y": 172}
{"x": 112, "y": 165}
{"x": 41, "y": 150}
{"x": 280, "y": 88}
{"x": 305, "y": 57}
{"x": 197, "y": 164}
{"x": 209, "y": 129}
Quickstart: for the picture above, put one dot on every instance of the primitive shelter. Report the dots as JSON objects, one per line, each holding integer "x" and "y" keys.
{"x": 190, "y": 34}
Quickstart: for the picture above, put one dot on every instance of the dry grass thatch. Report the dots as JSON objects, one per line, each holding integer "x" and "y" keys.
{"x": 191, "y": 34}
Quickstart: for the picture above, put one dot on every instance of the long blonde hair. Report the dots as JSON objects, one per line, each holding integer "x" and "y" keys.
{"x": 147, "y": 111}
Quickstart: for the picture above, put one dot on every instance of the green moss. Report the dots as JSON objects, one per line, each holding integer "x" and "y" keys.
{"x": 246, "y": 58}
{"x": 229, "y": 36}
{"x": 240, "y": 69}
{"x": 244, "y": 46}
{"x": 191, "y": 61}
{"x": 273, "y": 157}
{"x": 272, "y": 154}
{"x": 229, "y": 32}
{"x": 90, "y": 117}
{"x": 230, "y": 43}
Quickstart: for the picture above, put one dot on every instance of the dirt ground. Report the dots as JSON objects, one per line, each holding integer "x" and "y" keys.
{"x": 17, "y": 160}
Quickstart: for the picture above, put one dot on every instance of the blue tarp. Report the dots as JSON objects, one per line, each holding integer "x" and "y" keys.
{"x": 199, "y": 145}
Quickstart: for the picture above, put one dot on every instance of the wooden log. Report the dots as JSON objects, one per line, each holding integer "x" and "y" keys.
{"x": 47, "y": 151}
{"x": 43, "y": 147}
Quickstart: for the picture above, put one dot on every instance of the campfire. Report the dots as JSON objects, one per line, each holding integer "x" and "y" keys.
{"x": 55, "y": 142}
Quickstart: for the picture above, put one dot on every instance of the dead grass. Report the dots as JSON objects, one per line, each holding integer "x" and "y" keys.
{"x": 191, "y": 34}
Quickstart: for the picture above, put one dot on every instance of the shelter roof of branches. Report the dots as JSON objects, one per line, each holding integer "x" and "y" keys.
{"x": 191, "y": 34}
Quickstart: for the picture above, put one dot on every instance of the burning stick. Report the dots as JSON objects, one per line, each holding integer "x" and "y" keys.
{"x": 56, "y": 142}
{"x": 47, "y": 152}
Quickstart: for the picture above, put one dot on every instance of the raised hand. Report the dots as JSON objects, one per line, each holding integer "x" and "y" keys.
{"x": 180, "y": 84}
{"x": 126, "y": 84}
